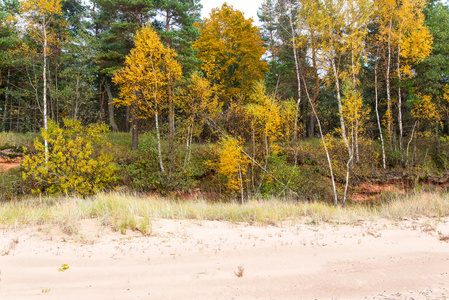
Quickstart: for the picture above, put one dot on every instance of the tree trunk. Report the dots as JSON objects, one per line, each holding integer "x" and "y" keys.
{"x": 44, "y": 79}
{"x": 324, "y": 144}
{"x": 389, "y": 112}
{"x": 377, "y": 111}
{"x": 111, "y": 106}
{"x": 317, "y": 86}
{"x": 298, "y": 78}
{"x": 18, "y": 117}
{"x": 127, "y": 113}
{"x": 343, "y": 128}
{"x": 135, "y": 132}
{"x": 158, "y": 135}
{"x": 171, "y": 114}
{"x": 6, "y": 103}
{"x": 399, "y": 100}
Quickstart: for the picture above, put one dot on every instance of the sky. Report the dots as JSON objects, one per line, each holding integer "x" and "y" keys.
{"x": 248, "y": 7}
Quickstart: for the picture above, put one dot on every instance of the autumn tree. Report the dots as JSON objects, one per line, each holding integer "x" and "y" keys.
{"x": 342, "y": 26}
{"x": 265, "y": 115}
{"x": 41, "y": 14}
{"x": 231, "y": 50}
{"x": 114, "y": 25}
{"x": 178, "y": 33}
{"x": 231, "y": 164}
{"x": 143, "y": 80}
{"x": 197, "y": 104}
{"x": 73, "y": 165}
{"x": 402, "y": 30}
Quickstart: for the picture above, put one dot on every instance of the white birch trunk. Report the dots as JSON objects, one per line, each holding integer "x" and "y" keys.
{"x": 156, "y": 117}
{"x": 44, "y": 97}
{"x": 377, "y": 114}
{"x": 388, "y": 83}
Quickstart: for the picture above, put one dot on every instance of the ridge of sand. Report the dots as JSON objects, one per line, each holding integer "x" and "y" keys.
{"x": 184, "y": 259}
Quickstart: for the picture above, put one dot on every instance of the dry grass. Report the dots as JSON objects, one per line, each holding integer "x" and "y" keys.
{"x": 124, "y": 211}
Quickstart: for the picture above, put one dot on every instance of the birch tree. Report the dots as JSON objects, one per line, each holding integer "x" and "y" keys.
{"x": 143, "y": 80}
{"x": 39, "y": 15}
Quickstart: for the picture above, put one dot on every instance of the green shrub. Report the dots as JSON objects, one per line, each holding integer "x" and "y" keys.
{"x": 76, "y": 163}
{"x": 11, "y": 184}
{"x": 143, "y": 172}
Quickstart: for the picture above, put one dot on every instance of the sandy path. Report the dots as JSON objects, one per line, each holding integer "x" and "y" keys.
{"x": 198, "y": 260}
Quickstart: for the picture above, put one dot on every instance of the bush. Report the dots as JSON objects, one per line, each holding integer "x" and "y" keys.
{"x": 11, "y": 185}
{"x": 76, "y": 161}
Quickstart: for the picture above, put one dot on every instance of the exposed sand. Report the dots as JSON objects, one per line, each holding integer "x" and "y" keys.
{"x": 185, "y": 259}
{"x": 6, "y": 164}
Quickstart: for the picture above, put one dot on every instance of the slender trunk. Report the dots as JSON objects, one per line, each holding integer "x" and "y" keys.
{"x": 254, "y": 156}
{"x": 389, "y": 112}
{"x": 135, "y": 133}
{"x": 317, "y": 85}
{"x": 6, "y": 102}
{"x": 10, "y": 115}
{"x": 408, "y": 144}
{"x": 437, "y": 138}
{"x": 158, "y": 136}
{"x": 241, "y": 184}
{"x": 357, "y": 139}
{"x": 298, "y": 78}
{"x": 44, "y": 97}
{"x": 377, "y": 111}
{"x": 171, "y": 114}
{"x": 127, "y": 113}
{"x": 343, "y": 129}
{"x": 188, "y": 145}
{"x": 75, "y": 113}
{"x": 18, "y": 117}
{"x": 414, "y": 147}
{"x": 110, "y": 106}
{"x": 399, "y": 100}
{"x": 324, "y": 144}
{"x": 101, "y": 94}
{"x": 135, "y": 125}
{"x": 340, "y": 107}
{"x": 356, "y": 129}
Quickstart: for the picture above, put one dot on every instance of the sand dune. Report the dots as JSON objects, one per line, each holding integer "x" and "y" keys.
{"x": 185, "y": 259}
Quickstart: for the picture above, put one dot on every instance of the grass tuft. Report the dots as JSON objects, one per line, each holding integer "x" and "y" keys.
{"x": 124, "y": 211}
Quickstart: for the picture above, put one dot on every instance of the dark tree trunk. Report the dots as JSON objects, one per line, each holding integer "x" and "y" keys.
{"x": 110, "y": 106}
{"x": 135, "y": 132}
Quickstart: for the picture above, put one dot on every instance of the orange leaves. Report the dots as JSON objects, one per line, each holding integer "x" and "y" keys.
{"x": 231, "y": 50}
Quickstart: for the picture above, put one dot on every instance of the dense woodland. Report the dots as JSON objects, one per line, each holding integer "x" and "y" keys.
{"x": 325, "y": 94}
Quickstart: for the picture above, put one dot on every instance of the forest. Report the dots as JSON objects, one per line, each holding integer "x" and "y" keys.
{"x": 322, "y": 99}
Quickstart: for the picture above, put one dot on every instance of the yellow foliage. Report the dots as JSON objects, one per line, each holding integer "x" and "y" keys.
{"x": 148, "y": 69}
{"x": 354, "y": 112}
{"x": 402, "y": 22}
{"x": 426, "y": 110}
{"x": 265, "y": 115}
{"x": 76, "y": 164}
{"x": 42, "y": 22}
{"x": 232, "y": 163}
{"x": 197, "y": 100}
{"x": 231, "y": 50}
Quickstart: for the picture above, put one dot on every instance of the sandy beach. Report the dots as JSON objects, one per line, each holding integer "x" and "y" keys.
{"x": 185, "y": 259}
